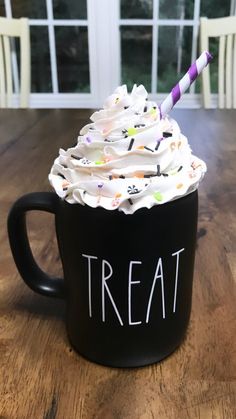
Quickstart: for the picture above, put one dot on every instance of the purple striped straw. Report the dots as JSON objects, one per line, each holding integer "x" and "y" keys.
{"x": 180, "y": 88}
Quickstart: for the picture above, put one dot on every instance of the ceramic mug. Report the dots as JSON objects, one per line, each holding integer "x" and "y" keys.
{"x": 127, "y": 278}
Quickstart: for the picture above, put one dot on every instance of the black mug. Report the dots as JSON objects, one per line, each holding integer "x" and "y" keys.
{"x": 127, "y": 278}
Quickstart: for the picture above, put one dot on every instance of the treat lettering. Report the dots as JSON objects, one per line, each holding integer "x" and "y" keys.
{"x": 106, "y": 294}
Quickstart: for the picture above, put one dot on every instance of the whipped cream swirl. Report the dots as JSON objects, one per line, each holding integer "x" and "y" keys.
{"x": 127, "y": 158}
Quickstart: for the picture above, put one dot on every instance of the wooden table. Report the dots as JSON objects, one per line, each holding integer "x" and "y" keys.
{"x": 40, "y": 375}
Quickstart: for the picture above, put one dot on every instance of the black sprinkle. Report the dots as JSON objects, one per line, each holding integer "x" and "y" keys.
{"x": 126, "y": 107}
{"x": 61, "y": 175}
{"x": 76, "y": 157}
{"x": 105, "y": 139}
{"x": 91, "y": 128}
{"x": 126, "y": 136}
{"x": 148, "y": 176}
{"x": 137, "y": 113}
{"x": 158, "y": 170}
{"x": 167, "y": 134}
{"x": 139, "y": 125}
{"x": 110, "y": 177}
{"x": 131, "y": 144}
{"x": 65, "y": 189}
{"x": 122, "y": 177}
{"x": 124, "y": 131}
{"x": 154, "y": 107}
{"x": 149, "y": 149}
{"x": 67, "y": 196}
{"x": 157, "y": 146}
{"x": 145, "y": 109}
{"x": 84, "y": 192}
{"x": 180, "y": 168}
{"x": 130, "y": 201}
{"x": 165, "y": 174}
{"x": 64, "y": 165}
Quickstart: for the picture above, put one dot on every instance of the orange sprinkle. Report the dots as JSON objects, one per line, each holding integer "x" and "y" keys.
{"x": 118, "y": 195}
{"x": 179, "y": 186}
{"x": 141, "y": 147}
{"x": 65, "y": 183}
{"x": 139, "y": 174}
{"x": 172, "y": 146}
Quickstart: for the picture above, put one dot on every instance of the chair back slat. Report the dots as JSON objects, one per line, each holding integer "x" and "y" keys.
{"x": 7, "y": 57}
{"x": 221, "y": 77}
{"x": 14, "y": 28}
{"x": 234, "y": 72}
{"x": 2, "y": 77}
{"x": 225, "y": 30}
{"x": 25, "y": 65}
{"x": 229, "y": 71}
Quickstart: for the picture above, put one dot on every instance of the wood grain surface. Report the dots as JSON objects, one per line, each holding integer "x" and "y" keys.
{"x": 41, "y": 377}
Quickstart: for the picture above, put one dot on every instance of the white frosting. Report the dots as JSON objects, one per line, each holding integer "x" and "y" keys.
{"x": 127, "y": 158}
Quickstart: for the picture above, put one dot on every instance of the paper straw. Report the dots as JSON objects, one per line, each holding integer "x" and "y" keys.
{"x": 180, "y": 88}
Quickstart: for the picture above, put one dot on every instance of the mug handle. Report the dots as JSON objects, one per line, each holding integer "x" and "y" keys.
{"x": 31, "y": 273}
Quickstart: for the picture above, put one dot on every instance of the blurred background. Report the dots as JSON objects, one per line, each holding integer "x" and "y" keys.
{"x": 82, "y": 49}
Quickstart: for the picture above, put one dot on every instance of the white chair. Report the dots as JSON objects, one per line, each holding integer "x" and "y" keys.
{"x": 225, "y": 29}
{"x": 14, "y": 28}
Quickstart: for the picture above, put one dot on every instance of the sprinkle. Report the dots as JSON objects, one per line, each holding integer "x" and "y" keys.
{"x": 100, "y": 185}
{"x": 149, "y": 149}
{"x": 139, "y": 175}
{"x": 141, "y": 147}
{"x": 179, "y": 186}
{"x": 117, "y": 100}
{"x": 75, "y": 157}
{"x": 167, "y": 134}
{"x": 110, "y": 177}
{"x": 115, "y": 202}
{"x": 61, "y": 175}
{"x": 122, "y": 177}
{"x": 124, "y": 131}
{"x": 145, "y": 109}
{"x": 180, "y": 168}
{"x": 131, "y": 131}
{"x": 88, "y": 139}
{"x": 153, "y": 111}
{"x": 158, "y": 170}
{"x": 99, "y": 162}
{"x": 158, "y": 196}
{"x": 139, "y": 125}
{"x": 131, "y": 144}
{"x": 157, "y": 146}
{"x": 126, "y": 107}
{"x": 118, "y": 195}
{"x": 130, "y": 201}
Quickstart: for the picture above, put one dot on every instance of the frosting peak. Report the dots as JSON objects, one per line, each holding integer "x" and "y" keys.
{"x": 127, "y": 158}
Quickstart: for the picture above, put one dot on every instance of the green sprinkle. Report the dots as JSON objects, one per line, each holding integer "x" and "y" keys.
{"x": 99, "y": 162}
{"x": 158, "y": 196}
{"x": 131, "y": 131}
{"x": 153, "y": 111}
